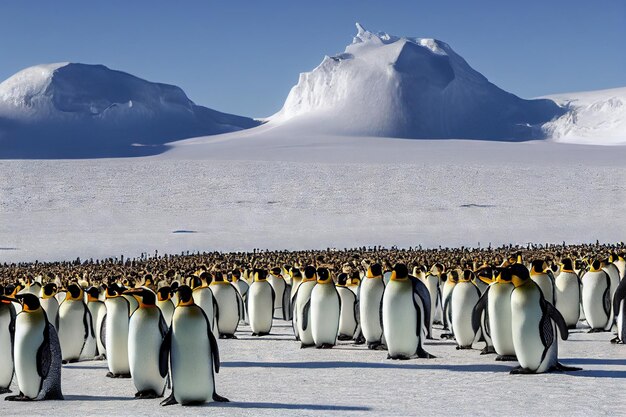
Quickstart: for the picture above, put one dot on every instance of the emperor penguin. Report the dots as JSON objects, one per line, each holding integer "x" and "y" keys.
{"x": 98, "y": 313}
{"x": 282, "y": 308}
{"x": 567, "y": 293}
{"x": 203, "y": 297}
{"x": 194, "y": 354}
{"x": 406, "y": 314}
{"x": 7, "y": 338}
{"x": 302, "y": 308}
{"x": 75, "y": 329}
{"x": 242, "y": 288}
{"x": 32, "y": 286}
{"x": 620, "y": 263}
{"x": 50, "y": 304}
{"x": 227, "y": 300}
{"x": 37, "y": 353}
{"x": 450, "y": 280}
{"x": 619, "y": 307}
{"x": 296, "y": 280}
{"x": 539, "y": 274}
{"x": 533, "y": 323}
{"x": 431, "y": 280}
{"x": 260, "y": 302}
{"x": 165, "y": 304}
{"x": 325, "y": 310}
{"x": 483, "y": 277}
{"x": 611, "y": 269}
{"x": 496, "y": 305}
{"x": 596, "y": 296}
{"x": 348, "y": 317}
{"x": 115, "y": 331}
{"x": 371, "y": 306}
{"x": 462, "y": 302}
{"x": 147, "y": 356}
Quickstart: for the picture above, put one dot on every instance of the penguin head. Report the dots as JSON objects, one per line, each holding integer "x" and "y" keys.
{"x": 260, "y": 275}
{"x": 276, "y": 272}
{"x": 538, "y": 266}
{"x": 485, "y": 274}
{"x": 399, "y": 272}
{"x": 567, "y": 265}
{"x": 596, "y": 265}
{"x": 323, "y": 276}
{"x": 236, "y": 275}
{"x": 467, "y": 276}
{"x": 504, "y": 275}
{"x": 437, "y": 269}
{"x": 164, "y": 293}
{"x": 144, "y": 295}
{"x": 310, "y": 274}
{"x": 295, "y": 273}
{"x": 519, "y": 274}
{"x": 342, "y": 280}
{"x": 195, "y": 281}
{"x": 453, "y": 276}
{"x": 92, "y": 294}
{"x": 355, "y": 278}
{"x": 174, "y": 286}
{"x": 218, "y": 277}
{"x": 74, "y": 292}
{"x": 49, "y": 290}
{"x": 113, "y": 290}
{"x": 185, "y": 296}
{"x": 375, "y": 271}
{"x": 148, "y": 280}
{"x": 30, "y": 302}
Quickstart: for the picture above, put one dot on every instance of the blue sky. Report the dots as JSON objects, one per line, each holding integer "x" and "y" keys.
{"x": 244, "y": 56}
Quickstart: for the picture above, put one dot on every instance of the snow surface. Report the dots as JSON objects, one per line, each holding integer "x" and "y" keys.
{"x": 83, "y": 111}
{"x": 272, "y": 376}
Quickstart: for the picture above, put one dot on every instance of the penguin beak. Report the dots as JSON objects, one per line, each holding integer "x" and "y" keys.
{"x": 7, "y": 300}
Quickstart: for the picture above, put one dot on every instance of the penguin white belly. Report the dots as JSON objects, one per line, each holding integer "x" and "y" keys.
{"x": 448, "y": 286}
{"x": 98, "y": 313}
{"x": 117, "y": 335}
{"x": 568, "y": 297}
{"x": 324, "y": 314}
{"x": 347, "y": 319}
{"x": 499, "y": 308}
{"x": 167, "y": 309}
{"x": 132, "y": 303}
{"x": 29, "y": 328}
{"x": 6, "y": 349}
{"x": 545, "y": 284}
{"x": 144, "y": 345}
{"x": 432, "y": 283}
{"x": 260, "y": 307}
{"x": 304, "y": 296}
{"x": 525, "y": 318}
{"x": 464, "y": 298}
{"x": 203, "y": 297}
{"x": 279, "y": 289}
{"x": 370, "y": 309}
{"x": 191, "y": 357}
{"x": 400, "y": 319}
{"x": 226, "y": 297}
{"x": 51, "y": 306}
{"x": 71, "y": 329}
{"x": 594, "y": 286}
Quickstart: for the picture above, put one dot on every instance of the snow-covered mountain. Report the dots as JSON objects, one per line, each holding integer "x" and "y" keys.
{"x": 384, "y": 85}
{"x": 69, "y": 110}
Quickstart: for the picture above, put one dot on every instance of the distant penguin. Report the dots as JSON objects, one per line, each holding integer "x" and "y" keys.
{"x": 165, "y": 304}
{"x": 450, "y": 280}
{"x": 431, "y": 280}
{"x": 50, "y": 304}
{"x": 37, "y": 353}
{"x": 325, "y": 310}
{"x": 146, "y": 356}
{"x": 282, "y": 290}
{"x": 348, "y": 318}
{"x": 596, "y": 296}
{"x": 302, "y": 309}
{"x": 463, "y": 300}
{"x": 260, "y": 304}
{"x": 620, "y": 263}
{"x": 227, "y": 300}
{"x": 7, "y": 338}
{"x": 193, "y": 352}
{"x": 203, "y": 298}
{"x": 242, "y": 288}
{"x": 611, "y": 269}
{"x": 533, "y": 323}
{"x": 619, "y": 307}
{"x": 75, "y": 329}
{"x": 483, "y": 278}
{"x": 406, "y": 314}
{"x": 296, "y": 280}
{"x": 98, "y": 314}
{"x": 116, "y": 332}
{"x": 539, "y": 274}
{"x": 567, "y": 293}
{"x": 371, "y": 306}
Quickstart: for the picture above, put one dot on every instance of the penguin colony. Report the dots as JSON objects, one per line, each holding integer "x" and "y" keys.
{"x": 158, "y": 319}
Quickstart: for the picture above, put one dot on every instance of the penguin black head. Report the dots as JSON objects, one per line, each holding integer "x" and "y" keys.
{"x": 164, "y": 293}
{"x": 276, "y": 272}
{"x": 174, "y": 286}
{"x": 504, "y": 275}
{"x": 323, "y": 276}
{"x": 74, "y": 292}
{"x": 260, "y": 274}
{"x": 185, "y": 296}
{"x": 538, "y": 266}
{"x": 295, "y": 273}
{"x": 49, "y": 290}
{"x": 30, "y": 302}
{"x": 567, "y": 265}
{"x": 400, "y": 272}
{"x": 342, "y": 280}
{"x": 236, "y": 274}
{"x": 144, "y": 295}
{"x": 309, "y": 273}
{"x": 467, "y": 276}
{"x": 195, "y": 281}
{"x": 218, "y": 277}
{"x": 206, "y": 277}
{"x": 93, "y": 293}
{"x": 596, "y": 265}
{"x": 519, "y": 274}
{"x": 374, "y": 271}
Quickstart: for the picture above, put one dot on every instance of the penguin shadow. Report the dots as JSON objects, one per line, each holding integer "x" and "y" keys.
{"x": 85, "y": 367}
{"x": 287, "y": 406}
{"x": 597, "y": 373}
{"x": 80, "y": 397}
{"x": 369, "y": 365}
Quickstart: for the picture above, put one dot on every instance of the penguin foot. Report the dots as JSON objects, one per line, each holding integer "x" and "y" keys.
{"x": 218, "y": 398}
{"x": 571, "y": 326}
{"x": 506, "y": 358}
{"x": 463, "y": 347}
{"x": 169, "y": 400}
{"x": 447, "y": 336}
{"x": 563, "y": 368}
{"x": 20, "y": 397}
{"x": 263, "y": 334}
{"x": 344, "y": 337}
{"x": 398, "y": 357}
{"x": 147, "y": 395}
{"x": 595, "y": 331}
{"x": 228, "y": 336}
{"x": 100, "y": 358}
{"x": 487, "y": 350}
{"x": 305, "y": 346}
{"x": 325, "y": 346}
{"x": 376, "y": 346}
{"x": 359, "y": 340}
{"x": 521, "y": 371}
{"x": 112, "y": 375}
{"x": 5, "y": 391}
{"x": 616, "y": 340}
{"x": 422, "y": 354}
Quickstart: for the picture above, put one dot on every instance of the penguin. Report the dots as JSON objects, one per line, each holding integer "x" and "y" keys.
{"x": 348, "y": 317}
{"x": 567, "y": 293}
{"x": 203, "y": 297}
{"x": 115, "y": 331}
{"x": 431, "y": 280}
{"x": 614, "y": 275}
{"x": 406, "y": 314}
{"x": 296, "y": 280}
{"x": 449, "y": 282}
{"x": 37, "y": 353}
{"x": 542, "y": 278}
{"x": 371, "y": 306}
{"x": 282, "y": 308}
{"x": 302, "y": 308}
{"x": 98, "y": 313}
{"x": 242, "y": 288}
{"x": 147, "y": 357}
{"x": 228, "y": 303}
{"x": 533, "y": 323}
{"x": 50, "y": 304}
{"x": 7, "y": 338}
{"x": 75, "y": 329}
{"x": 619, "y": 307}
{"x": 483, "y": 277}
{"x": 260, "y": 304}
{"x": 620, "y": 263}
{"x": 462, "y": 302}
{"x": 165, "y": 304}
{"x": 496, "y": 304}
{"x": 596, "y": 297}
{"x": 32, "y": 287}
{"x": 325, "y": 311}
{"x": 194, "y": 354}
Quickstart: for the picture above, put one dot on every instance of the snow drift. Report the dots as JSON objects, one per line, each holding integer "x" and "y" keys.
{"x": 68, "y": 110}
{"x": 383, "y": 85}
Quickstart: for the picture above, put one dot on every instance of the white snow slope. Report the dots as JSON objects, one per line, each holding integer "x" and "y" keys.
{"x": 77, "y": 110}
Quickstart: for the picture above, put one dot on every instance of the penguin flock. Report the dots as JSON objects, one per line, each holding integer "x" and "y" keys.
{"x": 158, "y": 319}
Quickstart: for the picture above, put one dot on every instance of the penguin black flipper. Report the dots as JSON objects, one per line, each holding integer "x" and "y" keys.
{"x": 44, "y": 357}
{"x": 216, "y": 313}
{"x": 620, "y": 294}
{"x": 273, "y": 300}
{"x": 477, "y": 312}
{"x": 164, "y": 352}
{"x": 606, "y": 297}
{"x": 240, "y": 306}
{"x": 286, "y": 302}
{"x": 12, "y": 317}
{"x": 546, "y": 331}
{"x": 87, "y": 322}
{"x": 305, "y": 315}
{"x": 554, "y": 314}
{"x": 103, "y": 331}
{"x": 215, "y": 352}
{"x": 421, "y": 290}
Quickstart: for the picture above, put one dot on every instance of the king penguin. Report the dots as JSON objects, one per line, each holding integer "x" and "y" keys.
{"x": 50, "y": 304}
{"x": 348, "y": 318}
{"x": 431, "y": 280}
{"x": 203, "y": 297}
{"x": 260, "y": 302}
{"x": 596, "y": 296}
{"x": 371, "y": 306}
{"x": 533, "y": 323}
{"x": 406, "y": 314}
{"x": 7, "y": 338}
{"x": 539, "y": 274}
{"x": 37, "y": 353}
{"x": 325, "y": 310}
{"x": 619, "y": 307}
{"x": 567, "y": 293}
{"x": 282, "y": 290}
{"x": 228, "y": 305}
{"x": 302, "y": 308}
{"x": 242, "y": 288}
{"x": 194, "y": 354}
{"x": 98, "y": 313}
{"x": 147, "y": 356}
{"x": 115, "y": 331}
{"x": 449, "y": 282}
{"x": 165, "y": 304}
{"x": 463, "y": 300}
{"x": 75, "y": 327}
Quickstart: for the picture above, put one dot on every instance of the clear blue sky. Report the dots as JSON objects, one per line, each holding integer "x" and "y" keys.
{"x": 244, "y": 56}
